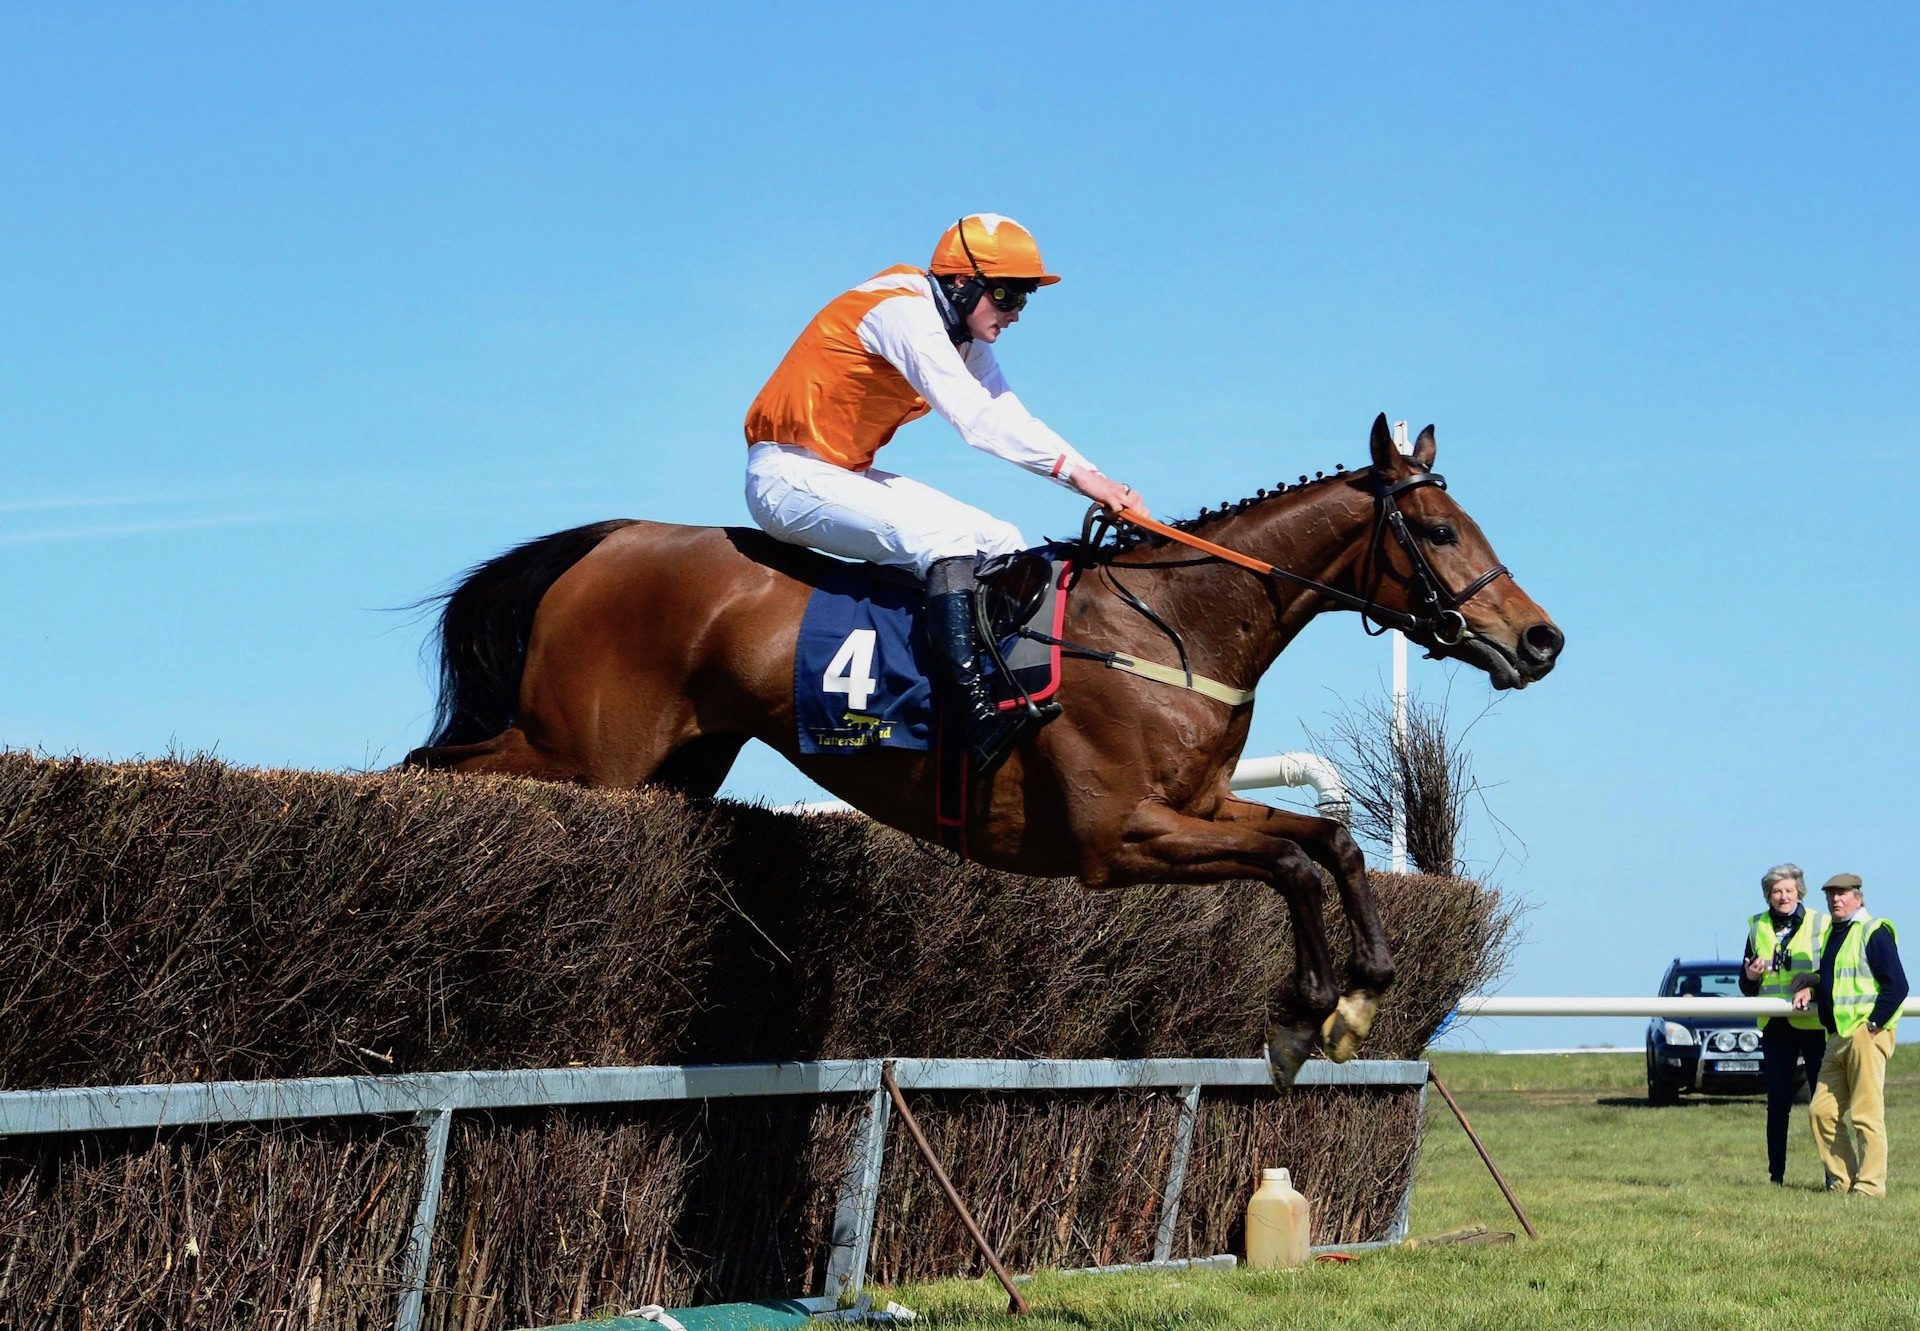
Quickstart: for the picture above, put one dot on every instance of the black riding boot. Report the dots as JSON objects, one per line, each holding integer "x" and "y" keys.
{"x": 990, "y": 732}
{"x": 956, "y": 652}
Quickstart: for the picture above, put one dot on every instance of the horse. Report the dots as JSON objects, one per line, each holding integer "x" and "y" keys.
{"x": 628, "y": 653}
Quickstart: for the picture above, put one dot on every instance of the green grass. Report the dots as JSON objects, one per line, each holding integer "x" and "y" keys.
{"x": 1647, "y": 1217}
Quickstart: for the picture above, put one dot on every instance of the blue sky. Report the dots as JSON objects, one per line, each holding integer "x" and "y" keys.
{"x": 308, "y": 309}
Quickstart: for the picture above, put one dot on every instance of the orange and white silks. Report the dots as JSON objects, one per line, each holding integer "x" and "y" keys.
{"x": 879, "y": 356}
{"x": 875, "y": 358}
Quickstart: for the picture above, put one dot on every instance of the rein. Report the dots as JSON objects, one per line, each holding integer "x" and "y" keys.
{"x": 1439, "y": 605}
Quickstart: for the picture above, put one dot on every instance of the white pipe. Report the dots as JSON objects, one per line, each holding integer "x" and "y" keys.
{"x": 1297, "y": 769}
{"x": 1282, "y": 769}
{"x": 1478, "y": 1005}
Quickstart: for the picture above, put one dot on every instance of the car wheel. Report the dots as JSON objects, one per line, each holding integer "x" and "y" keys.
{"x": 1659, "y": 1093}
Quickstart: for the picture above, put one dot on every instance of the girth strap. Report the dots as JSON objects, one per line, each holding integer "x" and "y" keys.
{"x": 1160, "y": 674}
{"x": 1186, "y": 679}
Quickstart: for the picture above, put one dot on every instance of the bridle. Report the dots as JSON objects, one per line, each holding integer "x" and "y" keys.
{"x": 1436, "y": 606}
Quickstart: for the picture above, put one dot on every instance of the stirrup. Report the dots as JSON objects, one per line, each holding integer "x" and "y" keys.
{"x": 989, "y": 744}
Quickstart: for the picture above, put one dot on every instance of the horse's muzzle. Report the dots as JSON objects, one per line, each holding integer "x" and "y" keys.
{"x": 1528, "y": 660}
{"x": 1539, "y": 648}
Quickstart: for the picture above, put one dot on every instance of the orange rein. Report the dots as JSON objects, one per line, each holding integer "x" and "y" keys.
{"x": 1160, "y": 528}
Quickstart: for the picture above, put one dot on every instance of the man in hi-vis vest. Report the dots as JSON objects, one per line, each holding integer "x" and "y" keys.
{"x": 1783, "y": 945}
{"x": 1859, "y": 993}
{"x": 906, "y": 341}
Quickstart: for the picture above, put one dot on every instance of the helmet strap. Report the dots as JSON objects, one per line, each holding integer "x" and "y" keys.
{"x": 969, "y": 292}
{"x": 966, "y": 293}
{"x": 955, "y": 298}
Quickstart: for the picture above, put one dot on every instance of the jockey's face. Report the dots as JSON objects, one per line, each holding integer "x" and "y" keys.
{"x": 987, "y": 321}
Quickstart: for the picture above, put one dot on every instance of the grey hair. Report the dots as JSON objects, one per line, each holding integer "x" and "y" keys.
{"x": 1779, "y": 873}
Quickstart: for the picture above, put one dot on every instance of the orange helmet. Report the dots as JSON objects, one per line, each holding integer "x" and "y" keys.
{"x": 992, "y": 246}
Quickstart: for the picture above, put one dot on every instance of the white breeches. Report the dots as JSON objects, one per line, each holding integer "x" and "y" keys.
{"x": 799, "y": 496}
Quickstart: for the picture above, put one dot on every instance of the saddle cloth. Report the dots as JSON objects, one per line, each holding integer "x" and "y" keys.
{"x": 860, "y": 666}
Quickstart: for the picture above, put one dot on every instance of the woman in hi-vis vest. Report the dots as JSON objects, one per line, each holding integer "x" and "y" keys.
{"x": 1783, "y": 944}
{"x": 904, "y": 342}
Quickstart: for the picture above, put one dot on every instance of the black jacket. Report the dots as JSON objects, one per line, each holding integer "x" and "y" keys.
{"x": 1883, "y": 959}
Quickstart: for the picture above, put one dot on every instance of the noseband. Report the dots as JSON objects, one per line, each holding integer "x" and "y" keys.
{"x": 1436, "y": 606}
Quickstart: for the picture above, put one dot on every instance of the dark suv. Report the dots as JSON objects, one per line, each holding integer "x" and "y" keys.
{"x": 1714, "y": 1055}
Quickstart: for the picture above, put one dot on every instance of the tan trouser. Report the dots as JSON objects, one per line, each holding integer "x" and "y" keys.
{"x": 1853, "y": 1085}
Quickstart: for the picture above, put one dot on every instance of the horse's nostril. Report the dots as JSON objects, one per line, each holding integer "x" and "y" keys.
{"x": 1543, "y": 642}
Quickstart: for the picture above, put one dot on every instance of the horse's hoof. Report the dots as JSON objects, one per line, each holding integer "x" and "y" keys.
{"x": 1287, "y": 1049}
{"x": 1346, "y": 1026}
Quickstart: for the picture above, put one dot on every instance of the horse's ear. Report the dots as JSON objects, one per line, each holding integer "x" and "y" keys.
{"x": 1423, "y": 448}
{"x": 1386, "y": 458}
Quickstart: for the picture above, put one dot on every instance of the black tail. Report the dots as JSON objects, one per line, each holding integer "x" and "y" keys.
{"x": 484, "y": 629}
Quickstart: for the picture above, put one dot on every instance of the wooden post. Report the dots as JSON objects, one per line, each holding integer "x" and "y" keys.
{"x": 1492, "y": 1168}
{"x": 1016, "y": 1303}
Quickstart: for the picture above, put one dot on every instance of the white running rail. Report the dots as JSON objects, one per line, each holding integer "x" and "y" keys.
{"x": 1480, "y": 1005}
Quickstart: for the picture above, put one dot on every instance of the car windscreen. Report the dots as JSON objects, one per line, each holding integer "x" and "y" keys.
{"x": 1720, "y": 982}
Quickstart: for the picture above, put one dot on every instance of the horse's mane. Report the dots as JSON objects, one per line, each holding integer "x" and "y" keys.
{"x": 1127, "y": 537}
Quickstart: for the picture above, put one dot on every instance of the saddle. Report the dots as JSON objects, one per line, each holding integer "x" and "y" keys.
{"x": 861, "y": 662}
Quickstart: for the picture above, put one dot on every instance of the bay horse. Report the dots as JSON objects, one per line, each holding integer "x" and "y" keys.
{"x": 629, "y": 653}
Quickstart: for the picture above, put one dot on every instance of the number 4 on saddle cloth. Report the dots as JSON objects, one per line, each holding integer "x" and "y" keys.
{"x": 860, "y": 665}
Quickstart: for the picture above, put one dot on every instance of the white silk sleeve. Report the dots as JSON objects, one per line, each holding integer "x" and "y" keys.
{"x": 970, "y": 393}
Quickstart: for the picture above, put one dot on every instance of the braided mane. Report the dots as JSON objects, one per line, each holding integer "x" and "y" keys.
{"x": 1127, "y": 537}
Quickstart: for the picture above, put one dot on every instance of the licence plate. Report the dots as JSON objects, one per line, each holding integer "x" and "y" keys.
{"x": 1737, "y": 1065}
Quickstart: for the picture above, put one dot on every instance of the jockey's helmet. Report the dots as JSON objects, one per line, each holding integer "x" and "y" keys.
{"x": 988, "y": 245}
{"x": 985, "y": 254}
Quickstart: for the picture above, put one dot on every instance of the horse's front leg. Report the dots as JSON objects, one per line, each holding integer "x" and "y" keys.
{"x": 1370, "y": 965}
{"x": 1242, "y": 840}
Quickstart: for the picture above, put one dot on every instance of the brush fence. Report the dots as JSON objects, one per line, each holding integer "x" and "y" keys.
{"x": 432, "y": 1099}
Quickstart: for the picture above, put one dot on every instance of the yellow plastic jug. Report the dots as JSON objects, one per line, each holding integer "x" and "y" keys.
{"x": 1278, "y": 1228}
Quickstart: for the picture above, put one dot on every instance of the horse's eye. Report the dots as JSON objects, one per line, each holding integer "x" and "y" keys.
{"x": 1442, "y": 533}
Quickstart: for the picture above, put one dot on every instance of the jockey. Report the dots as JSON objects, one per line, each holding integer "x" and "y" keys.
{"x": 902, "y": 343}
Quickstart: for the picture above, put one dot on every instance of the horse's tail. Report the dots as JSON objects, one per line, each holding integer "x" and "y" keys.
{"x": 485, "y": 623}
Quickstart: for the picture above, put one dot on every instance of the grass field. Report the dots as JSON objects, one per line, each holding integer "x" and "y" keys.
{"x": 1647, "y": 1218}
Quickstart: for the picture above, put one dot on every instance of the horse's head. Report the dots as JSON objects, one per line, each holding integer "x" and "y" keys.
{"x": 1430, "y": 560}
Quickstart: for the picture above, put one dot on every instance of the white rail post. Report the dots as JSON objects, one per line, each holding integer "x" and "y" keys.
{"x": 1399, "y": 842}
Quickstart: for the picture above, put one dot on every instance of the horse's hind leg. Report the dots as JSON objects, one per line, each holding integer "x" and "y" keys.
{"x": 509, "y": 753}
{"x": 698, "y": 767}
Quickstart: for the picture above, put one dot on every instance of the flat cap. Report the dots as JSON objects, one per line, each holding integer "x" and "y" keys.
{"x": 1842, "y": 882}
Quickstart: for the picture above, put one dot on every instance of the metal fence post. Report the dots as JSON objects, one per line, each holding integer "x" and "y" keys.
{"x": 859, "y": 1197}
{"x": 1176, "y": 1174}
{"x": 1397, "y": 1232}
{"x": 420, "y": 1242}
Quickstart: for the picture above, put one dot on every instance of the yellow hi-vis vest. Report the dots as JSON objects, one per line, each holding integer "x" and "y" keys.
{"x": 1803, "y": 958}
{"x": 1854, "y": 988}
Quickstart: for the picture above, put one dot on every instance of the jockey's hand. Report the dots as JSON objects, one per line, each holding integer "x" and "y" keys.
{"x": 1110, "y": 495}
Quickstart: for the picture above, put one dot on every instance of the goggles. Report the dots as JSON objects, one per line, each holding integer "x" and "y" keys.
{"x": 1010, "y": 297}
